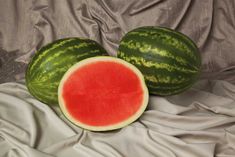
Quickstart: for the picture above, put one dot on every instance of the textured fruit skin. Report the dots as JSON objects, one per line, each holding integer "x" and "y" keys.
{"x": 49, "y": 64}
{"x": 169, "y": 60}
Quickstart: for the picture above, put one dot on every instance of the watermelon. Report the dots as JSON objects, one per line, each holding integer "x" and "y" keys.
{"x": 169, "y": 60}
{"x": 102, "y": 93}
{"x": 49, "y": 64}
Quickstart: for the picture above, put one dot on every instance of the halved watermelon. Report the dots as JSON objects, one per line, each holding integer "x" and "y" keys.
{"x": 102, "y": 93}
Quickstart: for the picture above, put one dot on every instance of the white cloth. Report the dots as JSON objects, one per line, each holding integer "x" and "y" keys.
{"x": 197, "y": 123}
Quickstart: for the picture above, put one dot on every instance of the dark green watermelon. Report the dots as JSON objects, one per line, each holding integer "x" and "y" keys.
{"x": 49, "y": 64}
{"x": 169, "y": 60}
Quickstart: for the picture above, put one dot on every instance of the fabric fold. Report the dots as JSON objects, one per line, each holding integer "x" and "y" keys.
{"x": 195, "y": 123}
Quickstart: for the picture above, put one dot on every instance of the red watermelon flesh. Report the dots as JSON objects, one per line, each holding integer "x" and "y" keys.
{"x": 102, "y": 93}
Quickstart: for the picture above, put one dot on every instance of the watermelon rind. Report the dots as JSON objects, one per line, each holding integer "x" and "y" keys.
{"x": 108, "y": 127}
{"x": 169, "y": 60}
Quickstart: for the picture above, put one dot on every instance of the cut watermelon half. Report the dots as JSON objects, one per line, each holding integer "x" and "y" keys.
{"x": 102, "y": 93}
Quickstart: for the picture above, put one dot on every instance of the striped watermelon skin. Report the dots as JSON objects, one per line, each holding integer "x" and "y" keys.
{"x": 169, "y": 60}
{"x": 49, "y": 64}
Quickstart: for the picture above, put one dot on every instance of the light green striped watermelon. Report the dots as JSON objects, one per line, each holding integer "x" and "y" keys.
{"x": 49, "y": 64}
{"x": 169, "y": 60}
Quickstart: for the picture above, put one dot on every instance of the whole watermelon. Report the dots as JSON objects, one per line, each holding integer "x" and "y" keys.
{"x": 49, "y": 64}
{"x": 169, "y": 60}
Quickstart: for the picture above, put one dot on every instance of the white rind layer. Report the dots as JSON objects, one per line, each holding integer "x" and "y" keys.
{"x": 109, "y": 127}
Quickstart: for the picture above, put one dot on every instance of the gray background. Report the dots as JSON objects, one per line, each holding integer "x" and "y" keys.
{"x": 27, "y": 25}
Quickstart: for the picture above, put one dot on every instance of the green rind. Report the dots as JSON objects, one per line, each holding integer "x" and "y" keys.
{"x": 169, "y": 60}
{"x": 49, "y": 64}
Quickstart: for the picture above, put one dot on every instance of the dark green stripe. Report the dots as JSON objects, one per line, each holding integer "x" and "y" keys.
{"x": 170, "y": 32}
{"x": 172, "y": 82}
{"x": 134, "y": 47}
{"x": 69, "y": 43}
{"x": 69, "y": 50}
{"x": 42, "y": 88}
{"x": 76, "y": 54}
{"x": 151, "y": 70}
{"x": 42, "y": 96}
{"x": 46, "y": 51}
{"x": 165, "y": 92}
{"x": 168, "y": 35}
{"x": 159, "y": 43}
{"x": 190, "y": 43}
{"x": 168, "y": 86}
{"x": 178, "y": 36}
{"x": 56, "y": 71}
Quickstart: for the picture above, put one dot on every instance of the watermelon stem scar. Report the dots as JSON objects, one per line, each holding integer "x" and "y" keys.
{"x": 102, "y": 93}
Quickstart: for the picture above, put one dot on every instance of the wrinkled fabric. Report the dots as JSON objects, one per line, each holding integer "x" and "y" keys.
{"x": 196, "y": 123}
{"x": 27, "y": 25}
